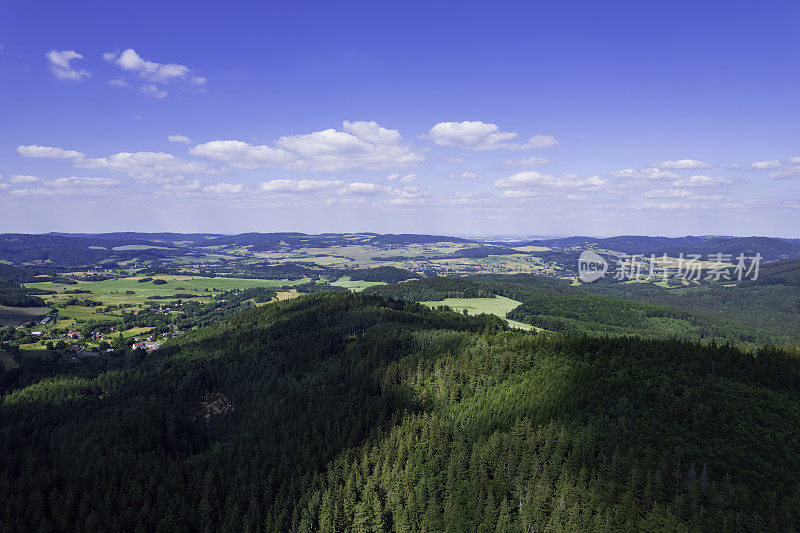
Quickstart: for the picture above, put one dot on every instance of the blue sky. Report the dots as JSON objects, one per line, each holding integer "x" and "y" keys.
{"x": 461, "y": 118}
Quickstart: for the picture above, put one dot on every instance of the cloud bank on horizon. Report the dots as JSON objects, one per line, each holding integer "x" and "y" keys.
{"x": 144, "y": 141}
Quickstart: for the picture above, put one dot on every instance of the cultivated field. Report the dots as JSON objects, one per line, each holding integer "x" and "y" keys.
{"x": 8, "y": 360}
{"x": 499, "y": 306}
{"x": 355, "y": 285}
{"x": 114, "y": 291}
{"x": 15, "y": 316}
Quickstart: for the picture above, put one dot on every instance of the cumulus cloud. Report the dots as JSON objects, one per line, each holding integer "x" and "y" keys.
{"x": 84, "y": 182}
{"x": 336, "y": 187}
{"x": 781, "y": 170}
{"x": 179, "y": 139}
{"x": 359, "y": 188}
{"x": 50, "y": 152}
{"x": 526, "y": 162}
{"x": 18, "y": 178}
{"x": 477, "y": 135}
{"x": 242, "y": 155}
{"x": 224, "y": 188}
{"x": 680, "y": 206}
{"x": 766, "y": 165}
{"x": 701, "y": 181}
{"x": 531, "y": 178}
{"x": 408, "y": 178}
{"x": 466, "y": 175}
{"x": 71, "y": 186}
{"x": 650, "y": 173}
{"x": 151, "y": 71}
{"x": 300, "y": 186}
{"x": 61, "y": 67}
{"x": 364, "y": 145}
{"x": 153, "y": 91}
{"x": 184, "y": 186}
{"x": 682, "y": 164}
{"x": 666, "y": 193}
{"x": 145, "y": 165}
{"x": 372, "y": 132}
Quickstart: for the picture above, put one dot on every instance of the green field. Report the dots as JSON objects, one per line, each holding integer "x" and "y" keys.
{"x": 15, "y": 316}
{"x": 499, "y": 306}
{"x": 355, "y": 285}
{"x": 8, "y": 360}
{"x": 113, "y": 291}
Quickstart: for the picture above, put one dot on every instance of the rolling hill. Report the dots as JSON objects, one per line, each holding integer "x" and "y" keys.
{"x": 342, "y": 412}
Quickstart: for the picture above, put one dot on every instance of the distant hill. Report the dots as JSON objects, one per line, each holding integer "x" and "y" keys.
{"x": 771, "y": 248}
{"x": 127, "y": 236}
{"x": 779, "y": 273}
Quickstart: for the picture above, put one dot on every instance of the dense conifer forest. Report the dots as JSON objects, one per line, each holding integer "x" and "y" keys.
{"x": 342, "y": 412}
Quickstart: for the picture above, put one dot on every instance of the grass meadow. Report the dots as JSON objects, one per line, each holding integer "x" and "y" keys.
{"x": 498, "y": 306}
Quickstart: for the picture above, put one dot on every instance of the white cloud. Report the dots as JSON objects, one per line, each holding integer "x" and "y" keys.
{"x": 145, "y": 165}
{"x": 242, "y": 155}
{"x": 184, "y": 186}
{"x": 339, "y": 187}
{"x": 701, "y": 181}
{"x": 681, "y": 164}
{"x": 300, "y": 186}
{"x": 531, "y": 178}
{"x": 408, "y": 178}
{"x": 72, "y": 186}
{"x": 51, "y": 152}
{"x": 153, "y": 72}
{"x": 365, "y": 145}
{"x": 153, "y": 91}
{"x": 61, "y": 68}
{"x": 679, "y": 206}
{"x": 466, "y": 175}
{"x": 363, "y": 188}
{"x": 527, "y": 162}
{"x": 372, "y": 132}
{"x": 224, "y": 188}
{"x": 521, "y": 193}
{"x": 667, "y": 193}
{"x": 338, "y": 150}
{"x": 30, "y": 192}
{"x": 179, "y": 139}
{"x": 149, "y": 70}
{"x": 118, "y": 82}
{"x": 650, "y": 173}
{"x": 789, "y": 169}
{"x": 17, "y": 178}
{"x": 84, "y": 182}
{"x": 766, "y": 165}
{"x": 477, "y": 135}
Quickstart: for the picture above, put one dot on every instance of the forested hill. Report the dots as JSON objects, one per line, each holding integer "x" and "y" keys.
{"x": 341, "y": 412}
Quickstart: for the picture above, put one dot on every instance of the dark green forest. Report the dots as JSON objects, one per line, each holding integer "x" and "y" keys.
{"x": 342, "y": 412}
{"x": 749, "y": 314}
